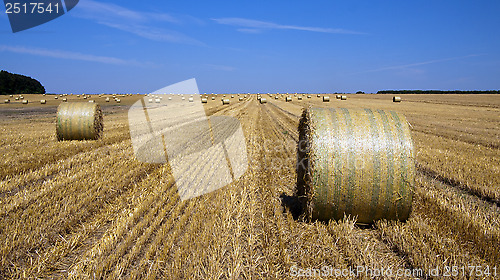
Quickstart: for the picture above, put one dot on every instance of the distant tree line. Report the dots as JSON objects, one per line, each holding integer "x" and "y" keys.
{"x": 19, "y": 84}
{"x": 438, "y": 92}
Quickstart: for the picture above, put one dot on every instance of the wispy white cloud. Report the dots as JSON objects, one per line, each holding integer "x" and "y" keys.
{"x": 251, "y": 24}
{"x": 143, "y": 24}
{"x": 70, "y": 55}
{"x": 418, "y": 63}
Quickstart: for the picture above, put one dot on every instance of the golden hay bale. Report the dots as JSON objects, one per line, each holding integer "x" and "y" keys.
{"x": 11, "y": 96}
{"x": 225, "y": 101}
{"x": 17, "y": 98}
{"x": 204, "y": 100}
{"x": 191, "y": 99}
{"x": 343, "y": 97}
{"x": 338, "y": 96}
{"x": 319, "y": 95}
{"x": 6, "y": 101}
{"x": 157, "y": 100}
{"x": 396, "y": 99}
{"x": 56, "y": 97}
{"x": 299, "y": 97}
{"x": 288, "y": 99}
{"x": 263, "y": 100}
{"x": 240, "y": 99}
{"x": 213, "y": 97}
{"x": 232, "y": 96}
{"x": 64, "y": 100}
{"x": 355, "y": 162}
{"x": 309, "y": 96}
{"x": 25, "y": 101}
{"x": 79, "y": 121}
{"x": 107, "y": 99}
{"x": 118, "y": 100}
{"x": 43, "y": 101}
{"x": 91, "y": 101}
{"x": 326, "y": 98}
{"x": 276, "y": 97}
{"x": 21, "y": 97}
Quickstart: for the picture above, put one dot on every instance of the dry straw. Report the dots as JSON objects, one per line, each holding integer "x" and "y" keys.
{"x": 225, "y": 101}
{"x": 263, "y": 100}
{"x": 355, "y": 162}
{"x": 240, "y": 99}
{"x": 343, "y": 97}
{"x": 288, "y": 99}
{"x": 338, "y": 96}
{"x": 299, "y": 97}
{"x": 43, "y": 101}
{"x": 25, "y": 101}
{"x": 64, "y": 100}
{"x": 204, "y": 100}
{"x": 277, "y": 97}
{"x": 79, "y": 121}
{"x": 56, "y": 97}
{"x": 396, "y": 99}
{"x": 6, "y": 101}
{"x": 191, "y": 99}
{"x": 326, "y": 98}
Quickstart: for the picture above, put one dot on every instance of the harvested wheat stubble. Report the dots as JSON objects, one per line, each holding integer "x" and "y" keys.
{"x": 326, "y": 98}
{"x": 79, "y": 121}
{"x": 355, "y": 162}
{"x": 396, "y": 99}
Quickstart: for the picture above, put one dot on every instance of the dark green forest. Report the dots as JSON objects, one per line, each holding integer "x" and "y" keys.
{"x": 438, "y": 92}
{"x": 19, "y": 84}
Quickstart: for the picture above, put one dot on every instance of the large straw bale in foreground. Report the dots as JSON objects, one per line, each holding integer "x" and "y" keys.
{"x": 355, "y": 162}
{"x": 79, "y": 121}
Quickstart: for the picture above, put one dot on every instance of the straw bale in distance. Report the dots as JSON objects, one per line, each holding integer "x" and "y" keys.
{"x": 396, "y": 99}
{"x": 263, "y": 100}
{"x": 79, "y": 121}
{"x": 225, "y": 101}
{"x": 25, "y": 101}
{"x": 6, "y": 101}
{"x": 43, "y": 101}
{"x": 338, "y": 96}
{"x": 204, "y": 100}
{"x": 288, "y": 99}
{"x": 343, "y": 97}
{"x": 355, "y": 162}
{"x": 326, "y": 98}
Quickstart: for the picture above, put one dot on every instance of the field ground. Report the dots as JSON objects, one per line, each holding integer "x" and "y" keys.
{"x": 88, "y": 209}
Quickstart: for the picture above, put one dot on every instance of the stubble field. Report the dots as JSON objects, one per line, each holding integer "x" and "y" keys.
{"x": 89, "y": 209}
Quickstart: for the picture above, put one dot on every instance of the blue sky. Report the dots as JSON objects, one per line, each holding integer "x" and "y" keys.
{"x": 261, "y": 46}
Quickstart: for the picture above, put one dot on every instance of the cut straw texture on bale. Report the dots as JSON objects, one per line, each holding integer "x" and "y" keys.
{"x": 79, "y": 121}
{"x": 355, "y": 162}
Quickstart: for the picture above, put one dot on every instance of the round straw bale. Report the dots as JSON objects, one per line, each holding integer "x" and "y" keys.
{"x": 107, "y": 99}
{"x": 43, "y": 101}
{"x": 338, "y": 96}
{"x": 355, "y": 162}
{"x": 204, "y": 100}
{"x": 309, "y": 96}
{"x": 396, "y": 99}
{"x": 319, "y": 95}
{"x": 17, "y": 98}
{"x": 25, "y": 101}
{"x": 118, "y": 100}
{"x": 213, "y": 97}
{"x": 79, "y": 121}
{"x": 64, "y": 100}
{"x": 191, "y": 99}
{"x": 6, "y": 101}
{"x": 288, "y": 99}
{"x": 240, "y": 99}
{"x": 21, "y": 97}
{"x": 326, "y": 98}
{"x": 11, "y": 96}
{"x": 299, "y": 97}
{"x": 91, "y": 101}
{"x": 263, "y": 100}
{"x": 225, "y": 101}
{"x": 157, "y": 100}
{"x": 56, "y": 97}
{"x": 343, "y": 97}
{"x": 276, "y": 97}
